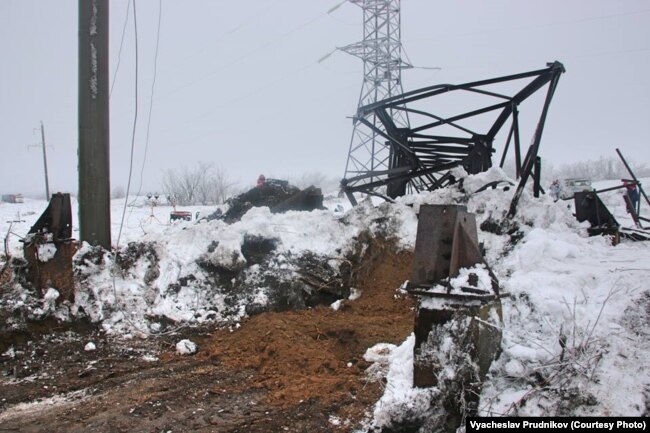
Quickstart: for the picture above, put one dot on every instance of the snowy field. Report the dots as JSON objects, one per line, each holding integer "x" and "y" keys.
{"x": 575, "y": 331}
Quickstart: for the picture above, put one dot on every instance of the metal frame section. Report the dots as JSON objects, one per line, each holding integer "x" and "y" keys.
{"x": 381, "y": 52}
{"x": 420, "y": 158}
{"x": 637, "y": 183}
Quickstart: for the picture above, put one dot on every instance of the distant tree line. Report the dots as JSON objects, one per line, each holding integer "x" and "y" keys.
{"x": 597, "y": 169}
{"x": 203, "y": 184}
{"x": 602, "y": 169}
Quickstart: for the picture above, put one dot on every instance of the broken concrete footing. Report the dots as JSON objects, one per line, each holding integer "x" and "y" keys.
{"x": 55, "y": 272}
{"x": 476, "y": 329}
{"x": 455, "y": 345}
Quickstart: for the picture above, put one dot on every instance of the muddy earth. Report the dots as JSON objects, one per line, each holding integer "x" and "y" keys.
{"x": 296, "y": 371}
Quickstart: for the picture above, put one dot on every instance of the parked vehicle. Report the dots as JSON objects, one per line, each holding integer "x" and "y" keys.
{"x": 571, "y": 186}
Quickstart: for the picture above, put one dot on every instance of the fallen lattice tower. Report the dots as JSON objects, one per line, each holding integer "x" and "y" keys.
{"x": 420, "y": 157}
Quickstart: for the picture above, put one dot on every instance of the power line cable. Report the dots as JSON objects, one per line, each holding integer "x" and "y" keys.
{"x": 119, "y": 53}
{"x": 531, "y": 59}
{"x": 153, "y": 84}
{"x": 242, "y": 25}
{"x": 527, "y": 27}
{"x": 135, "y": 122}
{"x": 209, "y": 135}
{"x": 246, "y": 55}
{"x": 255, "y": 91}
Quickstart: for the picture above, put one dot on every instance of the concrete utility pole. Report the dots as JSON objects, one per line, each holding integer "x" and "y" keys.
{"x": 94, "y": 141}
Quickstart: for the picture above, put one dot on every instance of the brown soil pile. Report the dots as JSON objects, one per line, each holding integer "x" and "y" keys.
{"x": 318, "y": 354}
{"x": 280, "y": 372}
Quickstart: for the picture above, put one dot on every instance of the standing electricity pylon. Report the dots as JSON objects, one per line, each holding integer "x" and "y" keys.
{"x": 381, "y": 52}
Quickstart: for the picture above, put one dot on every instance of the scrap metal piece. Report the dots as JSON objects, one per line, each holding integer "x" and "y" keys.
{"x": 49, "y": 248}
{"x": 589, "y": 207}
{"x": 636, "y": 181}
{"x": 55, "y": 220}
{"x": 446, "y": 242}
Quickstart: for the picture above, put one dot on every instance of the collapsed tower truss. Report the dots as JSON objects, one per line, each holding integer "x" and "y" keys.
{"x": 421, "y": 155}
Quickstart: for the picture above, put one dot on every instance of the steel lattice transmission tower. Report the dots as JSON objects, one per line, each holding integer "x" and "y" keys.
{"x": 381, "y": 52}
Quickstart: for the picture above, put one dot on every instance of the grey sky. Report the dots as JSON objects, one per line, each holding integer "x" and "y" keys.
{"x": 239, "y": 85}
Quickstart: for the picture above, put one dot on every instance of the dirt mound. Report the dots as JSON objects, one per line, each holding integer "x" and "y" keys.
{"x": 278, "y": 372}
{"x": 317, "y": 354}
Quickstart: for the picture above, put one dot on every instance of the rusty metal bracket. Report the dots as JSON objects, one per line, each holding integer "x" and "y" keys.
{"x": 55, "y": 220}
{"x": 447, "y": 241}
{"x": 53, "y": 227}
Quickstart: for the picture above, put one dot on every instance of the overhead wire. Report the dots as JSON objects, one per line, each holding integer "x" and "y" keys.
{"x": 255, "y": 91}
{"x": 246, "y": 55}
{"x": 259, "y": 48}
{"x": 203, "y": 136}
{"x": 267, "y": 85}
{"x": 242, "y": 25}
{"x": 234, "y": 100}
{"x": 119, "y": 53}
{"x": 543, "y": 25}
{"x": 527, "y": 27}
{"x": 270, "y": 83}
{"x": 135, "y": 123}
{"x": 153, "y": 85}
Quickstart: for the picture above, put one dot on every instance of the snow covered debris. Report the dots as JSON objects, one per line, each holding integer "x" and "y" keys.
{"x": 576, "y": 329}
{"x": 354, "y": 294}
{"x": 185, "y": 347}
{"x": 484, "y": 280}
{"x": 335, "y": 420}
{"x": 49, "y": 300}
{"x": 401, "y": 401}
{"x": 10, "y": 353}
{"x": 219, "y": 272}
{"x": 90, "y": 346}
{"x": 46, "y": 252}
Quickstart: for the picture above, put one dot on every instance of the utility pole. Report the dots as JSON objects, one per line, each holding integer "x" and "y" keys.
{"x": 47, "y": 182}
{"x": 94, "y": 140}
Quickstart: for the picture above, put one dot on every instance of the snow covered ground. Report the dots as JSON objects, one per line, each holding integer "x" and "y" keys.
{"x": 170, "y": 276}
{"x": 575, "y": 331}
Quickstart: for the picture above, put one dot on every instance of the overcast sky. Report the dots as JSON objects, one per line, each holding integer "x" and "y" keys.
{"x": 239, "y": 84}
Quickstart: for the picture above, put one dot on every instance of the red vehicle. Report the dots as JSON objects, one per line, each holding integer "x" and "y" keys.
{"x": 180, "y": 215}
